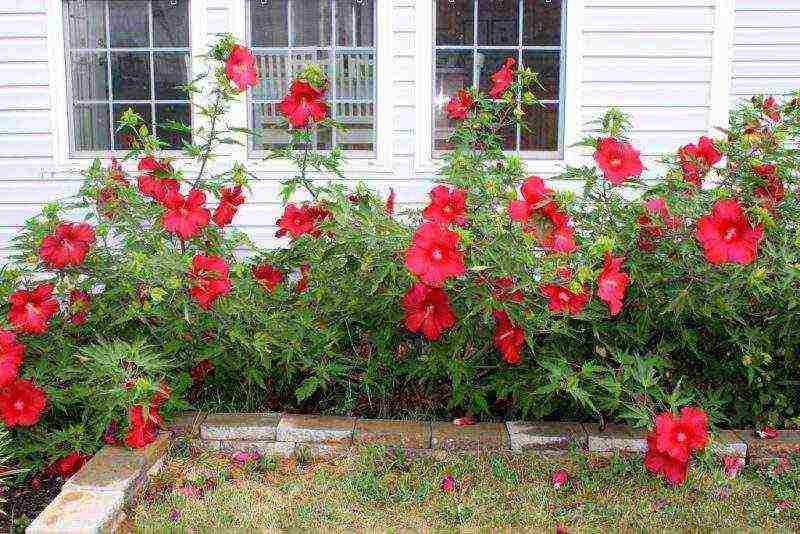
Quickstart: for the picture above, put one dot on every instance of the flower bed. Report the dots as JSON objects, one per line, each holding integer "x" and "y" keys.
{"x": 503, "y": 297}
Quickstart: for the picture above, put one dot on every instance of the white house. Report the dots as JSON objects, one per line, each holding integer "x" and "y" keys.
{"x": 68, "y": 66}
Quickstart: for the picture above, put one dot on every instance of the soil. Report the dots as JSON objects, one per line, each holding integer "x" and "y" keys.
{"x": 26, "y": 499}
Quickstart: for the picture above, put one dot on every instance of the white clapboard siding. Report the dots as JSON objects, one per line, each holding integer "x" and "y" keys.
{"x": 766, "y": 49}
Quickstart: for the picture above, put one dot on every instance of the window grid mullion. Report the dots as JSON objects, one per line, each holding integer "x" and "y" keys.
{"x": 109, "y": 74}
{"x": 152, "y": 68}
{"x": 475, "y": 74}
{"x": 334, "y": 64}
{"x": 518, "y": 127}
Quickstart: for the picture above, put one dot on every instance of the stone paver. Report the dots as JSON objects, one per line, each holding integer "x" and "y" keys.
{"x": 477, "y": 437}
{"x": 405, "y": 434}
{"x": 787, "y": 442}
{"x": 79, "y": 511}
{"x": 267, "y": 448}
{"x": 113, "y": 469}
{"x": 253, "y": 426}
{"x": 316, "y": 429}
{"x": 546, "y": 436}
{"x": 186, "y": 425}
{"x": 729, "y": 442}
{"x": 616, "y": 438}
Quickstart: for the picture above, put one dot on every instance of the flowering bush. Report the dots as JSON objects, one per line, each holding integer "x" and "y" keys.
{"x": 502, "y": 297}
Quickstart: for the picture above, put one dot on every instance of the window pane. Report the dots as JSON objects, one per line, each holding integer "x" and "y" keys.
{"x": 122, "y": 139}
{"x": 489, "y": 62}
{"x": 324, "y": 138}
{"x": 355, "y": 22}
{"x": 455, "y": 22}
{"x": 130, "y": 74}
{"x": 87, "y": 24}
{"x": 311, "y": 23}
{"x": 269, "y": 124}
{"x": 278, "y": 68}
{"x": 130, "y": 25}
{"x": 547, "y": 65}
{"x": 268, "y": 21}
{"x": 542, "y": 23}
{"x": 171, "y": 70}
{"x": 542, "y": 128}
{"x": 91, "y": 128}
{"x": 498, "y": 22}
{"x": 172, "y": 112}
{"x": 171, "y": 23}
{"x": 453, "y": 72}
{"x": 359, "y": 119}
{"x": 89, "y": 71}
{"x": 355, "y": 76}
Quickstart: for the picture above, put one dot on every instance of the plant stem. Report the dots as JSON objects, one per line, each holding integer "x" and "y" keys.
{"x": 211, "y": 137}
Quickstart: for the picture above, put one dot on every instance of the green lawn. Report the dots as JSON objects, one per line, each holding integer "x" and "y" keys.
{"x": 376, "y": 488}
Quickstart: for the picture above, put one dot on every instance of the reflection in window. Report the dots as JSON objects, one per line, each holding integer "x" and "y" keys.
{"x": 126, "y": 54}
{"x": 473, "y": 38}
{"x": 339, "y": 35}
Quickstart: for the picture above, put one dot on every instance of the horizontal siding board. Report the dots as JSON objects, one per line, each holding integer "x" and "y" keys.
{"x": 766, "y": 52}
{"x": 766, "y": 69}
{"x": 769, "y": 18}
{"x": 23, "y": 49}
{"x": 656, "y": 119}
{"x": 644, "y": 44}
{"x": 25, "y": 25}
{"x": 773, "y": 36}
{"x": 774, "y": 86}
{"x": 645, "y": 94}
{"x": 23, "y": 6}
{"x": 646, "y": 69}
{"x": 24, "y": 98}
{"x": 30, "y": 73}
{"x": 678, "y": 19}
{"x": 25, "y": 121}
{"x": 650, "y": 3}
{"x": 30, "y": 145}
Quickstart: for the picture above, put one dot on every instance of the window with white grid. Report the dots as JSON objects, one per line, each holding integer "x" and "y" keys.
{"x": 125, "y": 54}
{"x": 339, "y": 35}
{"x": 472, "y": 40}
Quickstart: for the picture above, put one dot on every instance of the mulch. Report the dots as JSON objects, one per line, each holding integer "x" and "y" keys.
{"x": 26, "y": 499}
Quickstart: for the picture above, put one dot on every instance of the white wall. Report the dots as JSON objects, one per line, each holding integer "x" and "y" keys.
{"x": 653, "y": 58}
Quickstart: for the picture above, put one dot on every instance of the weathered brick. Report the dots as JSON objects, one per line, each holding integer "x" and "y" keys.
{"x": 729, "y": 442}
{"x": 316, "y": 429}
{"x": 267, "y": 448}
{"x": 405, "y": 434}
{"x": 251, "y": 426}
{"x": 113, "y": 469}
{"x": 79, "y": 511}
{"x": 477, "y": 437}
{"x": 186, "y": 425}
{"x": 546, "y": 436}
{"x": 320, "y": 450}
{"x": 616, "y": 438}
{"x": 787, "y": 443}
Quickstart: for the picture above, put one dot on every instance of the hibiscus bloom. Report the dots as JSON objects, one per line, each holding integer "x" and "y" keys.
{"x": 389, "y": 206}
{"x": 209, "y": 278}
{"x": 460, "y": 105}
{"x": 696, "y": 160}
{"x": 268, "y": 276}
{"x": 541, "y": 217}
{"x": 536, "y": 196}
{"x": 657, "y": 462}
{"x": 618, "y": 160}
{"x": 727, "y": 235}
{"x": 679, "y": 436}
{"x": 297, "y": 221}
{"x": 434, "y": 255}
{"x": 185, "y": 216}
{"x": 508, "y": 337}
{"x": 31, "y": 311}
{"x": 21, "y": 403}
{"x": 612, "y": 283}
{"x": 68, "y": 465}
{"x": 230, "y": 198}
{"x": 502, "y": 79}
{"x": 141, "y": 432}
{"x": 562, "y": 299}
{"x": 304, "y": 104}
{"x": 560, "y": 478}
{"x": 447, "y": 206}
{"x": 241, "y": 68}
{"x": 504, "y": 290}
{"x": 302, "y": 282}
{"x": 156, "y": 179}
{"x": 12, "y": 353}
{"x": 427, "y": 310}
{"x": 79, "y": 303}
{"x": 657, "y": 207}
{"x": 770, "y": 108}
{"x": 772, "y": 192}
{"x": 68, "y": 245}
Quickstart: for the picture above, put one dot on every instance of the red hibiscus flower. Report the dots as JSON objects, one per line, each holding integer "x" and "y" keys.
{"x": 460, "y": 105}
{"x": 447, "y": 206}
{"x": 389, "y": 206}
{"x": 68, "y": 465}
{"x": 12, "y": 353}
{"x": 200, "y": 371}
{"x": 230, "y": 198}
{"x": 209, "y": 279}
{"x": 427, "y": 310}
{"x": 727, "y": 235}
{"x": 612, "y": 283}
{"x": 679, "y": 436}
{"x": 304, "y": 104}
{"x": 21, "y": 403}
{"x": 79, "y": 303}
{"x": 434, "y": 255}
{"x": 141, "y": 432}
{"x": 696, "y": 160}
{"x": 31, "y": 310}
{"x": 298, "y": 221}
{"x": 562, "y": 299}
{"x": 156, "y": 180}
{"x": 770, "y": 108}
{"x": 502, "y": 79}
{"x": 657, "y": 207}
{"x": 772, "y": 192}
{"x": 560, "y": 239}
{"x": 302, "y": 282}
{"x": 657, "y": 462}
{"x": 560, "y": 478}
{"x": 268, "y": 276}
{"x": 508, "y": 337}
{"x": 618, "y": 160}
{"x": 241, "y": 68}
{"x": 541, "y": 217}
{"x": 536, "y": 196}
{"x": 185, "y": 216}
{"x": 68, "y": 245}
{"x": 504, "y": 290}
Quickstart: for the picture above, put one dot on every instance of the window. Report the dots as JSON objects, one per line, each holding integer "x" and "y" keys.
{"x": 285, "y": 35}
{"x": 125, "y": 54}
{"x": 473, "y": 38}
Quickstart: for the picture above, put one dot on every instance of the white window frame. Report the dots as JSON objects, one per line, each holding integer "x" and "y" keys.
{"x": 425, "y": 162}
{"x": 380, "y": 161}
{"x": 59, "y": 99}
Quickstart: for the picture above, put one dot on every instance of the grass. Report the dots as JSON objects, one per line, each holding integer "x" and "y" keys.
{"x": 379, "y": 489}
